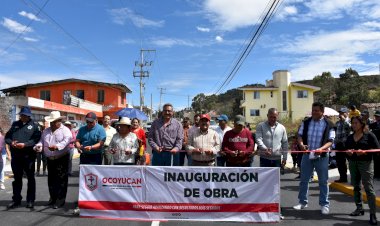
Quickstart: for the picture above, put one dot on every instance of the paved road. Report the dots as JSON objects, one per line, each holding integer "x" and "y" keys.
{"x": 341, "y": 205}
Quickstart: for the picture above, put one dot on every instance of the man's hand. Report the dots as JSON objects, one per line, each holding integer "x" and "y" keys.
{"x": 38, "y": 148}
{"x": 13, "y": 144}
{"x": 283, "y": 162}
{"x": 128, "y": 152}
{"x": 318, "y": 151}
{"x": 268, "y": 152}
{"x": 87, "y": 148}
{"x": 53, "y": 148}
{"x": 349, "y": 152}
{"x": 20, "y": 145}
{"x": 208, "y": 152}
{"x": 361, "y": 152}
{"x": 173, "y": 151}
{"x": 197, "y": 151}
{"x": 158, "y": 149}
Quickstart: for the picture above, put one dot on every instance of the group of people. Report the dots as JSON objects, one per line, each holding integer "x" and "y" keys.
{"x": 172, "y": 142}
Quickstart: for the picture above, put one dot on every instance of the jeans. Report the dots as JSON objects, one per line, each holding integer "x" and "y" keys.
{"x": 182, "y": 156}
{"x": 220, "y": 161}
{"x": 269, "y": 163}
{"x": 320, "y": 165}
{"x": 58, "y": 177}
{"x": 2, "y": 166}
{"x": 164, "y": 158}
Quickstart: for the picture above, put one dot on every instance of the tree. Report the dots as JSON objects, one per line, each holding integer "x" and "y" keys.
{"x": 327, "y": 83}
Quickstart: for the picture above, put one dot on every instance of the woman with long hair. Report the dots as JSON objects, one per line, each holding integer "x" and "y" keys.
{"x": 362, "y": 166}
{"x": 140, "y": 133}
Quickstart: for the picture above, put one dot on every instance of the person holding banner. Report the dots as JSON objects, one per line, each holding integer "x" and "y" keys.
{"x": 141, "y": 137}
{"x": 165, "y": 137}
{"x": 238, "y": 144}
{"x": 362, "y": 166}
{"x": 316, "y": 134}
{"x": 221, "y": 130}
{"x": 124, "y": 144}
{"x": 203, "y": 144}
{"x": 55, "y": 143}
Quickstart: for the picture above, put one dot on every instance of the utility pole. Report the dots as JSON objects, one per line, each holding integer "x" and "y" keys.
{"x": 161, "y": 92}
{"x": 142, "y": 73}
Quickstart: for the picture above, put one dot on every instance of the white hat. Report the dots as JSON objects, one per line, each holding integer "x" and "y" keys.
{"x": 54, "y": 115}
{"x": 67, "y": 123}
{"x": 124, "y": 121}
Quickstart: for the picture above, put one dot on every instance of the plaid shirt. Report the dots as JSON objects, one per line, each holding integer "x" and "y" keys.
{"x": 315, "y": 133}
{"x": 343, "y": 129}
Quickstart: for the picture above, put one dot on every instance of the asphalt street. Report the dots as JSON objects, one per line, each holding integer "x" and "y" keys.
{"x": 341, "y": 206}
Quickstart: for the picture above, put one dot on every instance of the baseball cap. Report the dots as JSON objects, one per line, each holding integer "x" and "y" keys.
{"x": 365, "y": 112}
{"x": 377, "y": 113}
{"x": 223, "y": 118}
{"x": 240, "y": 120}
{"x": 206, "y": 116}
{"x": 343, "y": 110}
{"x": 90, "y": 117}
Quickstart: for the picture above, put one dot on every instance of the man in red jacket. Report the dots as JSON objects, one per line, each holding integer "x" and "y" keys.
{"x": 238, "y": 144}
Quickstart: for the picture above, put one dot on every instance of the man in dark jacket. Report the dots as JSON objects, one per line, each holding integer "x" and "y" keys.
{"x": 21, "y": 137}
{"x": 316, "y": 134}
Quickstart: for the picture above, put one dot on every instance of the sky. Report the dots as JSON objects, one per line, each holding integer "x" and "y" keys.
{"x": 196, "y": 42}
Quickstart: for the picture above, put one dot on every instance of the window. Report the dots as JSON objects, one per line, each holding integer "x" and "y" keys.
{"x": 255, "y": 112}
{"x": 100, "y": 96}
{"x": 256, "y": 95}
{"x": 284, "y": 103}
{"x": 66, "y": 97}
{"x": 80, "y": 94}
{"x": 45, "y": 95}
{"x": 302, "y": 94}
{"x": 271, "y": 93}
{"x": 123, "y": 94}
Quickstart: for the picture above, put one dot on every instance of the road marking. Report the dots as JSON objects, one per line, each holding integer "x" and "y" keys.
{"x": 155, "y": 223}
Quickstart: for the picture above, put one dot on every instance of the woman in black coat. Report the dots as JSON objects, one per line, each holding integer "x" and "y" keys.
{"x": 362, "y": 166}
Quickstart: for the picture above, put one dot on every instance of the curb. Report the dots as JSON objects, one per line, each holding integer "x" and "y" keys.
{"x": 349, "y": 190}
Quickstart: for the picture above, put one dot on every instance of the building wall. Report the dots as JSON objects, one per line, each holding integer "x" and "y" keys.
{"x": 301, "y": 106}
{"x": 263, "y": 104}
{"x": 112, "y": 96}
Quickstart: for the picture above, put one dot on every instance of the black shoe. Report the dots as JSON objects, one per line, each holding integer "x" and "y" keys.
{"x": 55, "y": 206}
{"x": 341, "y": 181}
{"x": 372, "y": 219}
{"x": 30, "y": 205}
{"x": 357, "y": 212}
{"x": 51, "y": 202}
{"x": 60, "y": 202}
{"x": 13, "y": 205}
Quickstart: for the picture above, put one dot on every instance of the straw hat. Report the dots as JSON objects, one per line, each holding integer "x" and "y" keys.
{"x": 54, "y": 115}
{"x": 124, "y": 121}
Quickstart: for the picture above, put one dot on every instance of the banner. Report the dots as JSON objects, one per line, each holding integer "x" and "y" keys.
{"x": 180, "y": 193}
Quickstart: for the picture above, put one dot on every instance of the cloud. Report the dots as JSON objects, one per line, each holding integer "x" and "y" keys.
{"x": 219, "y": 38}
{"x": 332, "y": 51}
{"x": 203, "y": 29}
{"x": 30, "y": 39}
{"x": 15, "y": 26}
{"x": 228, "y": 15}
{"x": 18, "y": 78}
{"x": 170, "y": 42}
{"x": 128, "y": 41}
{"x": 7, "y": 58}
{"x": 119, "y": 16}
{"x": 286, "y": 11}
{"x": 30, "y": 16}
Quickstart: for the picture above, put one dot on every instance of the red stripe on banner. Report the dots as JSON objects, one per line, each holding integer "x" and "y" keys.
{"x": 180, "y": 207}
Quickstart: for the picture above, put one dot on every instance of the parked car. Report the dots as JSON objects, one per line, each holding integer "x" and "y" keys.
{"x": 146, "y": 127}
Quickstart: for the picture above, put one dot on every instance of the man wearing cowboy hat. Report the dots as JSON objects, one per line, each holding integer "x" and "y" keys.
{"x": 21, "y": 138}
{"x": 54, "y": 143}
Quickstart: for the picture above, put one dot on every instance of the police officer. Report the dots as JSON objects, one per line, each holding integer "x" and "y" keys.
{"x": 21, "y": 138}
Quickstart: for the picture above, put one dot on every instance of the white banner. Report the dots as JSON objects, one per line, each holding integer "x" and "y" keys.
{"x": 180, "y": 193}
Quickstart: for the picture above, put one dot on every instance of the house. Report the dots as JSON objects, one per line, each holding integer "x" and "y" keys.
{"x": 74, "y": 98}
{"x": 293, "y": 100}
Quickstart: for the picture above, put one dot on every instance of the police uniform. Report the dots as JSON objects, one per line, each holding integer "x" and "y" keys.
{"x": 23, "y": 159}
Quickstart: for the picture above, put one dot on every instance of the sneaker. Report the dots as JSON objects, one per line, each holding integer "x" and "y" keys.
{"x": 2, "y": 187}
{"x": 76, "y": 211}
{"x": 325, "y": 210}
{"x": 282, "y": 217}
{"x": 299, "y": 207}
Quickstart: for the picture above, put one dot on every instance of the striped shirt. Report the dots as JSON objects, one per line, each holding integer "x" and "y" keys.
{"x": 207, "y": 141}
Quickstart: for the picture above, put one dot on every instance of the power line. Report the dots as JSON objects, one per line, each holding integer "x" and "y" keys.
{"x": 22, "y": 32}
{"x": 250, "y": 45}
{"x": 75, "y": 40}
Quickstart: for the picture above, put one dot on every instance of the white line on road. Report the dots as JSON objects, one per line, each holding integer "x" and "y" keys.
{"x": 155, "y": 223}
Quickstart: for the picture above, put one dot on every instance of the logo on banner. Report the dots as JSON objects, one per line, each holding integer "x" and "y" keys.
{"x": 91, "y": 181}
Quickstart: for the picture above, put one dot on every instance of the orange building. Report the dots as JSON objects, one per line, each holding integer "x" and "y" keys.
{"x": 74, "y": 98}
